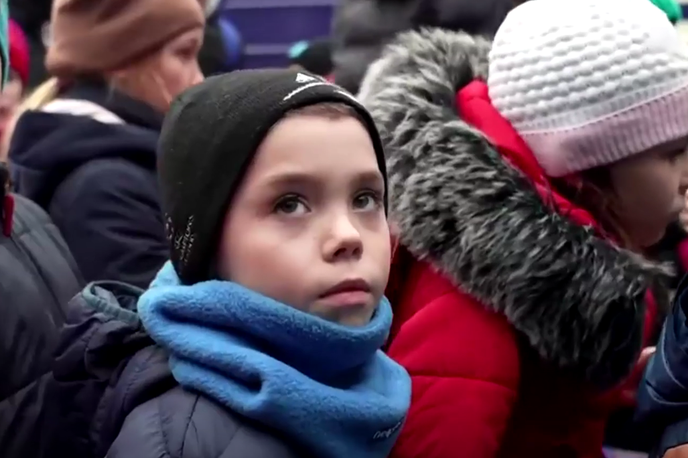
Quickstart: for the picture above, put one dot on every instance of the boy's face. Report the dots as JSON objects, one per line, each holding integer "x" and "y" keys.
{"x": 307, "y": 226}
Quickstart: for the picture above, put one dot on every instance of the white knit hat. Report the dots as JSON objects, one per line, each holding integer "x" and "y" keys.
{"x": 589, "y": 82}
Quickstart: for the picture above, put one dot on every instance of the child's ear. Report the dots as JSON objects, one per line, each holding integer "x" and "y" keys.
{"x": 394, "y": 239}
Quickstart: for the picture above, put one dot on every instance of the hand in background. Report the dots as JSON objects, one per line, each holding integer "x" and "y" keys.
{"x": 678, "y": 452}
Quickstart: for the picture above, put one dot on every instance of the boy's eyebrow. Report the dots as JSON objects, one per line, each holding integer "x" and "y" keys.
{"x": 369, "y": 176}
{"x": 300, "y": 178}
{"x": 290, "y": 178}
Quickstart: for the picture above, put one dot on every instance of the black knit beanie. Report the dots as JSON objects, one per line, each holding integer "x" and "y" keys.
{"x": 208, "y": 140}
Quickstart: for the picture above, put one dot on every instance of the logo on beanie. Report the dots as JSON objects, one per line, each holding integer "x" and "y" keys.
{"x": 301, "y": 78}
{"x": 310, "y": 82}
{"x": 182, "y": 243}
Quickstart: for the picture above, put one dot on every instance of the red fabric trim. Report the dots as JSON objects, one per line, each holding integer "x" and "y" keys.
{"x": 7, "y": 215}
{"x": 19, "y": 52}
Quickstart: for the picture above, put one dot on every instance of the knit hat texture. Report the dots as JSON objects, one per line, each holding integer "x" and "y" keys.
{"x": 94, "y": 36}
{"x": 208, "y": 140}
{"x": 586, "y": 87}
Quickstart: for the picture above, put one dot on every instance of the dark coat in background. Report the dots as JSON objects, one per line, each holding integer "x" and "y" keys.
{"x": 106, "y": 367}
{"x": 362, "y": 27}
{"x": 663, "y": 393}
{"x": 89, "y": 159}
{"x": 38, "y": 276}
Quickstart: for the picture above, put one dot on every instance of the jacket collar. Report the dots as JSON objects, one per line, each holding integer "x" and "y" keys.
{"x": 131, "y": 110}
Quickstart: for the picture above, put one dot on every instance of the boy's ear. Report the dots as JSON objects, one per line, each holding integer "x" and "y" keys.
{"x": 394, "y": 239}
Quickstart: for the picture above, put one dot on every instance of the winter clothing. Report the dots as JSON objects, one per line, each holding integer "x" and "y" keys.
{"x": 111, "y": 391}
{"x": 220, "y": 335}
{"x": 223, "y": 47}
{"x": 671, "y": 8}
{"x": 109, "y": 377}
{"x": 90, "y": 37}
{"x": 242, "y": 106}
{"x": 662, "y": 403}
{"x": 89, "y": 159}
{"x": 37, "y": 277}
{"x": 571, "y": 120}
{"x": 19, "y": 52}
{"x": 361, "y": 28}
{"x": 513, "y": 315}
{"x": 314, "y": 56}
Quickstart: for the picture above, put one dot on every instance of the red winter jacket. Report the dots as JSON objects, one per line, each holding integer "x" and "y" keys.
{"x": 513, "y": 316}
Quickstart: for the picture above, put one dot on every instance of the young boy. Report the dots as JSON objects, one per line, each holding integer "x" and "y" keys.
{"x": 270, "y": 314}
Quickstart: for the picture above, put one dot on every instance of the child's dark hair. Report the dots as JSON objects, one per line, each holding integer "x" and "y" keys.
{"x": 329, "y": 110}
{"x": 592, "y": 190}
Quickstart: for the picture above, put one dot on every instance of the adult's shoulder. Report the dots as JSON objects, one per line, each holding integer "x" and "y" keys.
{"x": 184, "y": 424}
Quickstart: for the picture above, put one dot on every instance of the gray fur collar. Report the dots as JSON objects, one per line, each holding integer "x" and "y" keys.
{"x": 577, "y": 300}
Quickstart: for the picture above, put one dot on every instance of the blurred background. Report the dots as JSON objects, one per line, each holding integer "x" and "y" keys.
{"x": 244, "y": 33}
{"x": 683, "y": 25}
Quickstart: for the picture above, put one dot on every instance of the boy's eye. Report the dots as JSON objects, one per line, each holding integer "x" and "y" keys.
{"x": 291, "y": 205}
{"x": 367, "y": 200}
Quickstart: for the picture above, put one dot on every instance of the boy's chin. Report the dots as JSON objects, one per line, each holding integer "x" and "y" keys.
{"x": 352, "y": 318}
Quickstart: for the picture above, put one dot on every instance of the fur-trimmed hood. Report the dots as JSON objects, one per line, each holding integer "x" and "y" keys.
{"x": 578, "y": 300}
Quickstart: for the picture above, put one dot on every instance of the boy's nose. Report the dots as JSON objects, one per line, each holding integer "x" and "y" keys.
{"x": 344, "y": 242}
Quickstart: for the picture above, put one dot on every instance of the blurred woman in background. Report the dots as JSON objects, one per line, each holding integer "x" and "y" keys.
{"x": 85, "y": 149}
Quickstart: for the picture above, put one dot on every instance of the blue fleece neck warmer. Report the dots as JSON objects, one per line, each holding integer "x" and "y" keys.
{"x": 4, "y": 41}
{"x": 325, "y": 387}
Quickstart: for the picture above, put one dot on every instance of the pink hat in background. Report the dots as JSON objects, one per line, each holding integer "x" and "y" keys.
{"x": 19, "y": 52}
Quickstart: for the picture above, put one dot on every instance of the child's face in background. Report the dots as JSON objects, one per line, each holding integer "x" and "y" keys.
{"x": 307, "y": 226}
{"x": 651, "y": 190}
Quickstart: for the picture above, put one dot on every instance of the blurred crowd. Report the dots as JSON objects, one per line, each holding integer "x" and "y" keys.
{"x": 448, "y": 229}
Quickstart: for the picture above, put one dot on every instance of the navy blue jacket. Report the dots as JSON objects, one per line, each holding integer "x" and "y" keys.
{"x": 38, "y": 276}
{"x": 96, "y": 177}
{"x": 111, "y": 393}
{"x": 663, "y": 392}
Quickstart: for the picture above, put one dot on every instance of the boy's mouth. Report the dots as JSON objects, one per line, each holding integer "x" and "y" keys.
{"x": 348, "y": 293}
